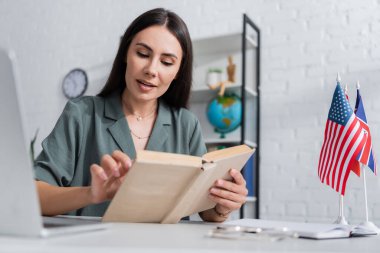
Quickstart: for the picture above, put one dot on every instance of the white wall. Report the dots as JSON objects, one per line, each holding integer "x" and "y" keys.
{"x": 304, "y": 44}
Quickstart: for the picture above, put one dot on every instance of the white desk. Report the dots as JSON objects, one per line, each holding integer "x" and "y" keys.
{"x": 185, "y": 237}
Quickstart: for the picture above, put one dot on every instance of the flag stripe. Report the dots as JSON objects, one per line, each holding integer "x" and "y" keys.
{"x": 343, "y": 145}
{"x": 365, "y": 155}
{"x": 352, "y": 160}
{"x": 344, "y": 139}
{"x": 337, "y": 129}
{"x": 323, "y": 150}
{"x": 335, "y": 144}
{"x": 351, "y": 144}
{"x": 332, "y": 128}
{"x": 338, "y": 151}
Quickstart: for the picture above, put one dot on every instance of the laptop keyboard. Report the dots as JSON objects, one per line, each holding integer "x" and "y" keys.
{"x": 56, "y": 225}
{"x": 53, "y": 222}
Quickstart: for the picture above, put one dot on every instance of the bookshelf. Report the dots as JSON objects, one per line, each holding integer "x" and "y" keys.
{"x": 212, "y": 53}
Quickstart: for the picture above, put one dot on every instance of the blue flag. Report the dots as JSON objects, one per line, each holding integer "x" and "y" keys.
{"x": 366, "y": 154}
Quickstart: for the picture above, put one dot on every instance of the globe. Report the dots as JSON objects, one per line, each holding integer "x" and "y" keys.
{"x": 224, "y": 113}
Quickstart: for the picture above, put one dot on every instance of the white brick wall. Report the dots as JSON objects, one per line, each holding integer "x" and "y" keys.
{"x": 304, "y": 44}
{"x": 322, "y": 37}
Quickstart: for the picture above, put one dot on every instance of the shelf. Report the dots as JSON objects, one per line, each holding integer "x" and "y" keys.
{"x": 250, "y": 143}
{"x": 252, "y": 41}
{"x": 251, "y": 199}
{"x": 233, "y": 141}
{"x": 201, "y": 94}
{"x": 216, "y": 53}
{"x": 226, "y": 43}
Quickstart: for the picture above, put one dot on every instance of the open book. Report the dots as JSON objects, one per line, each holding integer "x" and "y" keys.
{"x": 164, "y": 187}
{"x": 304, "y": 230}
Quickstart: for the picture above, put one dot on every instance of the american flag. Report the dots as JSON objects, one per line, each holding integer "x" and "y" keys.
{"x": 366, "y": 155}
{"x": 356, "y": 166}
{"x": 343, "y": 140}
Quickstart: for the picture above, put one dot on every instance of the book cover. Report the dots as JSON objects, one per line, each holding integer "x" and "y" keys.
{"x": 164, "y": 187}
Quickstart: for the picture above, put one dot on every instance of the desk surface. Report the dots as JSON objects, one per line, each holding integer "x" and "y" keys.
{"x": 184, "y": 237}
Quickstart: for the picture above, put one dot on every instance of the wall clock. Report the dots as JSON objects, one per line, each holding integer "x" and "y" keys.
{"x": 75, "y": 83}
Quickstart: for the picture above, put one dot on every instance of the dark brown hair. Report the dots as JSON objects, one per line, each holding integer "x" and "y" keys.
{"x": 178, "y": 93}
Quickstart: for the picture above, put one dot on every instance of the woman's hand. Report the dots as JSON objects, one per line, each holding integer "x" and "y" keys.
{"x": 229, "y": 196}
{"x": 107, "y": 178}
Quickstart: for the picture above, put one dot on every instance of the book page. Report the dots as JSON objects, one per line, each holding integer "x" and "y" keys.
{"x": 220, "y": 171}
{"x": 187, "y": 202}
{"x": 152, "y": 186}
{"x": 195, "y": 198}
{"x": 225, "y": 153}
{"x": 168, "y": 158}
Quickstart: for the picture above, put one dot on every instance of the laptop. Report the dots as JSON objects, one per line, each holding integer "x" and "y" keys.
{"x": 20, "y": 210}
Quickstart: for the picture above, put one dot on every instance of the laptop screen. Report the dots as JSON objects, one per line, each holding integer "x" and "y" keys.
{"x": 20, "y": 212}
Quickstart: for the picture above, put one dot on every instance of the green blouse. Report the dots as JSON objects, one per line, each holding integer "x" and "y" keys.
{"x": 90, "y": 127}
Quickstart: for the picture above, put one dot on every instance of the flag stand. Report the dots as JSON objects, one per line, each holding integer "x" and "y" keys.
{"x": 368, "y": 225}
{"x": 341, "y": 220}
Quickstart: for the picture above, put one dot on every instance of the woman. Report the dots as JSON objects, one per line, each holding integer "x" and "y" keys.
{"x": 142, "y": 106}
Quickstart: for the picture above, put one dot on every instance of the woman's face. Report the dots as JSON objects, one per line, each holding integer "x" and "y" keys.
{"x": 153, "y": 60}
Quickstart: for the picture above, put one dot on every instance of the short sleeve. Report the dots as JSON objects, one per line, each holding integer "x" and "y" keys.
{"x": 197, "y": 145}
{"x": 57, "y": 161}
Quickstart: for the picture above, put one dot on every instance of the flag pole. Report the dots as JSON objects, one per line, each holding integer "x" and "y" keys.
{"x": 368, "y": 225}
{"x": 346, "y": 91}
{"x": 341, "y": 220}
{"x": 338, "y": 79}
{"x": 365, "y": 194}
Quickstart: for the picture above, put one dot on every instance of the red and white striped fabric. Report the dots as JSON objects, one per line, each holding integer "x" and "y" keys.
{"x": 343, "y": 140}
{"x": 366, "y": 156}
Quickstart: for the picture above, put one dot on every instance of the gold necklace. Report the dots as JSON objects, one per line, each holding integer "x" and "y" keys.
{"x": 140, "y": 117}
{"x": 139, "y": 137}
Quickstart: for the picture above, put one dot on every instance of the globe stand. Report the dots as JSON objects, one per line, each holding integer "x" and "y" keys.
{"x": 222, "y": 135}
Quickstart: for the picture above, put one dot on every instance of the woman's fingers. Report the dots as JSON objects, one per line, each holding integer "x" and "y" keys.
{"x": 122, "y": 160}
{"x": 110, "y": 166}
{"x": 98, "y": 173}
{"x": 110, "y": 183}
{"x": 108, "y": 176}
{"x": 231, "y": 186}
{"x": 116, "y": 164}
{"x": 98, "y": 178}
{"x": 238, "y": 177}
{"x": 226, "y": 201}
{"x": 225, "y": 205}
{"x": 228, "y": 195}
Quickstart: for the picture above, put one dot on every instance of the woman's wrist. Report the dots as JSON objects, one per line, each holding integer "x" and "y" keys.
{"x": 90, "y": 199}
{"x": 214, "y": 215}
{"x": 224, "y": 214}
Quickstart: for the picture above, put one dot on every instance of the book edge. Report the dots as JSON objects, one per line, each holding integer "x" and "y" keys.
{"x": 217, "y": 155}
